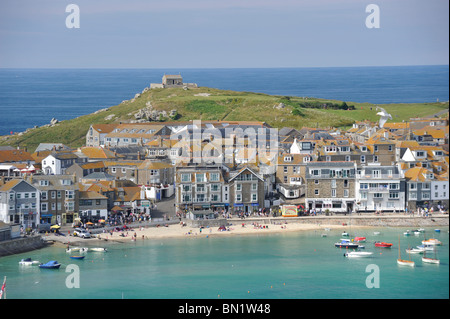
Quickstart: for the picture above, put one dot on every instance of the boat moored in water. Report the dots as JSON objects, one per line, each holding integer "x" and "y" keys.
{"x": 345, "y": 243}
{"x": 29, "y": 262}
{"x": 358, "y": 254}
{"x": 383, "y": 244}
{"x": 53, "y": 264}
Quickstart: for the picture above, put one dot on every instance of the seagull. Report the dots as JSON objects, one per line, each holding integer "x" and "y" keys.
{"x": 384, "y": 116}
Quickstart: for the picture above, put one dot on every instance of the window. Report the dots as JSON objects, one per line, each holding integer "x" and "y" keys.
{"x": 345, "y": 192}
{"x": 347, "y": 158}
{"x": 285, "y": 169}
{"x": 124, "y": 170}
{"x": 238, "y": 197}
{"x": 333, "y": 183}
{"x": 186, "y": 188}
{"x": 346, "y": 183}
{"x": 43, "y": 183}
{"x": 413, "y": 186}
{"x": 375, "y": 173}
{"x": 70, "y": 194}
{"x": 254, "y": 187}
{"x": 214, "y": 177}
{"x": 315, "y": 172}
{"x": 377, "y": 195}
{"x": 201, "y": 188}
{"x": 425, "y": 195}
{"x": 333, "y": 192}
{"x": 316, "y": 181}
{"x": 185, "y": 177}
{"x": 393, "y": 195}
{"x": 394, "y": 186}
{"x": 44, "y": 195}
{"x": 215, "y": 187}
{"x": 316, "y": 192}
{"x": 238, "y": 187}
{"x": 200, "y": 177}
{"x": 254, "y": 197}
{"x": 43, "y": 207}
{"x": 375, "y": 148}
{"x": 375, "y": 159}
{"x": 364, "y": 186}
{"x": 363, "y": 158}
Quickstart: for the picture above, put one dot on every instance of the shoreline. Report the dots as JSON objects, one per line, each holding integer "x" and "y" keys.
{"x": 252, "y": 226}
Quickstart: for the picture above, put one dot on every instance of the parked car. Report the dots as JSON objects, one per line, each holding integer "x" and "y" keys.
{"x": 82, "y": 233}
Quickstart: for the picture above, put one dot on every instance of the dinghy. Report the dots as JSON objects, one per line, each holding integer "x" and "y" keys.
{"x": 29, "y": 262}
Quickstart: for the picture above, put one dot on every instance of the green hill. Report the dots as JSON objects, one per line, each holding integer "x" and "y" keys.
{"x": 212, "y": 104}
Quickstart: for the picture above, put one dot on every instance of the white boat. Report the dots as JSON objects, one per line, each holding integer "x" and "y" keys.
{"x": 415, "y": 251}
{"x": 429, "y": 260}
{"x": 98, "y": 249}
{"x": 29, "y": 262}
{"x": 407, "y": 233}
{"x": 404, "y": 262}
{"x": 358, "y": 254}
{"x": 324, "y": 235}
{"x": 425, "y": 247}
{"x": 345, "y": 234}
{"x": 432, "y": 241}
{"x": 376, "y": 232}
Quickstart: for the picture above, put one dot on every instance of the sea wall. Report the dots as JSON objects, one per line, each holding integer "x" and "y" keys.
{"x": 373, "y": 221}
{"x": 21, "y": 245}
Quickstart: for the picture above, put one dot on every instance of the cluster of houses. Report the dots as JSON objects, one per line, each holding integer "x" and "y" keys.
{"x": 213, "y": 167}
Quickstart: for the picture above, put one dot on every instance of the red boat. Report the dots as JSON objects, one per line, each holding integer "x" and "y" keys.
{"x": 383, "y": 244}
{"x": 360, "y": 239}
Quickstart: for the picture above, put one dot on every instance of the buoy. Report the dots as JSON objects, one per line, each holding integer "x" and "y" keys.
{"x": 248, "y": 291}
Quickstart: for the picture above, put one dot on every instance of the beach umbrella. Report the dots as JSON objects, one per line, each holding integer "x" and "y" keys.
{"x": 101, "y": 220}
{"x": 55, "y": 227}
{"x": 89, "y": 223}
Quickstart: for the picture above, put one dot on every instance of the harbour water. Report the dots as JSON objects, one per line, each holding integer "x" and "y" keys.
{"x": 302, "y": 265}
{"x": 30, "y": 97}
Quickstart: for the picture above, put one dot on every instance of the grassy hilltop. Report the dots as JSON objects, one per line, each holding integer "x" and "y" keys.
{"x": 212, "y": 104}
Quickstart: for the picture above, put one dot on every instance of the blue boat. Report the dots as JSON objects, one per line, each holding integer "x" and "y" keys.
{"x": 53, "y": 264}
{"x": 77, "y": 257}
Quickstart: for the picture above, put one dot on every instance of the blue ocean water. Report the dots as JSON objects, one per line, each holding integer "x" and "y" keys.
{"x": 30, "y": 97}
{"x": 301, "y": 265}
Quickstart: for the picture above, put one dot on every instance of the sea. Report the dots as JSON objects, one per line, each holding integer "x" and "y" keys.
{"x": 283, "y": 266}
{"x": 32, "y": 97}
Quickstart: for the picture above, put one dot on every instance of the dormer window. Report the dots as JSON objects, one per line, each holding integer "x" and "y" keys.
{"x": 288, "y": 158}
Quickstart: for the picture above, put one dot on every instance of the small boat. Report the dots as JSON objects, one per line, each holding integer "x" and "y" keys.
{"x": 345, "y": 243}
{"x": 360, "y": 239}
{"x": 345, "y": 234}
{"x": 77, "y": 257}
{"x": 69, "y": 250}
{"x": 376, "y": 233}
{"x": 422, "y": 230}
{"x": 324, "y": 235}
{"x": 405, "y": 262}
{"x": 425, "y": 247}
{"x": 358, "y": 254}
{"x": 401, "y": 261}
{"x": 29, "y": 262}
{"x": 437, "y": 230}
{"x": 407, "y": 233}
{"x": 98, "y": 249}
{"x": 327, "y": 229}
{"x": 428, "y": 260}
{"x": 415, "y": 251}
{"x": 383, "y": 244}
{"x": 432, "y": 241}
{"x": 53, "y": 264}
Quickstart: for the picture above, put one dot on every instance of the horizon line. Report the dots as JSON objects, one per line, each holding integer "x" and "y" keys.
{"x": 187, "y": 68}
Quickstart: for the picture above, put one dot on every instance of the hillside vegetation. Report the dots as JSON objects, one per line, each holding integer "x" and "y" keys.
{"x": 212, "y": 104}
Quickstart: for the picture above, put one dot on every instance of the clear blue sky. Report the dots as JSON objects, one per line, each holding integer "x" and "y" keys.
{"x": 225, "y": 33}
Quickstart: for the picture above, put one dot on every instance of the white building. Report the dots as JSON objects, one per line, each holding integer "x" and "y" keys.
{"x": 380, "y": 188}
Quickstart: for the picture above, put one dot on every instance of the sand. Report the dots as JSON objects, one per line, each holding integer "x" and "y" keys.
{"x": 178, "y": 231}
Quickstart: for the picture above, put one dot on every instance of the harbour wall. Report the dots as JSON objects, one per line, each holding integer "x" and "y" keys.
{"x": 21, "y": 245}
{"x": 359, "y": 220}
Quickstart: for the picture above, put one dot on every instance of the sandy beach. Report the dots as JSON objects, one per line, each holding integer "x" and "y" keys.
{"x": 179, "y": 231}
{"x": 256, "y": 227}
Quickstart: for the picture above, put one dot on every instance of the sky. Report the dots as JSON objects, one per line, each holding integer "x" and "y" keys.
{"x": 222, "y": 33}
